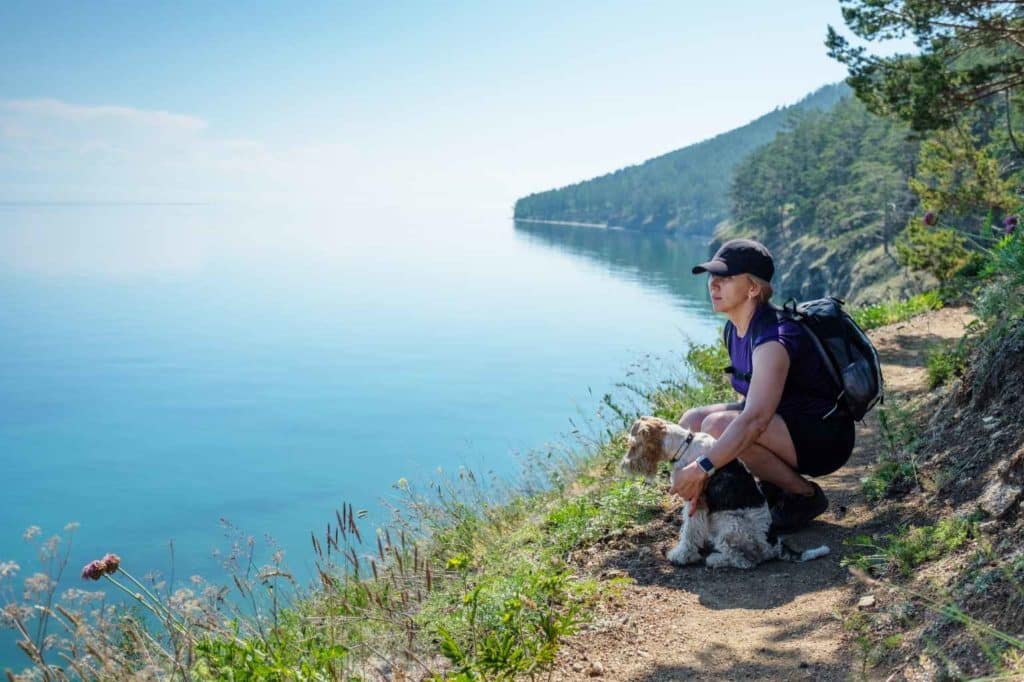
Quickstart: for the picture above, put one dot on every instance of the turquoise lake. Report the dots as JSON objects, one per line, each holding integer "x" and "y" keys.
{"x": 164, "y": 367}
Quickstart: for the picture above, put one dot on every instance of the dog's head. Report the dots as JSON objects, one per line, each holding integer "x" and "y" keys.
{"x": 646, "y": 446}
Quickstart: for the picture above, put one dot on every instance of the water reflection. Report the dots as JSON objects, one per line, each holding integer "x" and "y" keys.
{"x": 657, "y": 260}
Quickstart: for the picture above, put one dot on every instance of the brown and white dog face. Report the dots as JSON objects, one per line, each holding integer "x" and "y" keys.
{"x": 646, "y": 446}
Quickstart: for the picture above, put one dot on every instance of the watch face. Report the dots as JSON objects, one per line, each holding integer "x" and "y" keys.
{"x": 705, "y": 464}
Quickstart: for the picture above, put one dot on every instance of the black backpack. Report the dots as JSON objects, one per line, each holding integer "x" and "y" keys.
{"x": 849, "y": 357}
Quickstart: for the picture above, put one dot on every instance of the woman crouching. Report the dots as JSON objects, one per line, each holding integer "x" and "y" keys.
{"x": 786, "y": 426}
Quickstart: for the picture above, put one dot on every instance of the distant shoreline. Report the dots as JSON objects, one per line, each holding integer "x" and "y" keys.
{"x": 571, "y": 223}
{"x": 614, "y": 228}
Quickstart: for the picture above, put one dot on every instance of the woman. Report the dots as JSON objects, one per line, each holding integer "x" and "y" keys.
{"x": 786, "y": 426}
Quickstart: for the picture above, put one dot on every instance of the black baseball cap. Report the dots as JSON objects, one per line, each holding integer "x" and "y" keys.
{"x": 740, "y": 256}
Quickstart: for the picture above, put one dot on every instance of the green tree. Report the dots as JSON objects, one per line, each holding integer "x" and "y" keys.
{"x": 957, "y": 174}
{"x": 940, "y": 251}
{"x": 972, "y": 51}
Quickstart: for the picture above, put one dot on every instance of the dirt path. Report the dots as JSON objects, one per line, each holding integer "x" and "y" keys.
{"x": 779, "y": 621}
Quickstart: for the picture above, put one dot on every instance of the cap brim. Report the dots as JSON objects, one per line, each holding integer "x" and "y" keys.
{"x": 715, "y": 267}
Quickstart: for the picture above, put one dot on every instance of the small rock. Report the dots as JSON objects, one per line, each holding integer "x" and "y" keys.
{"x": 866, "y": 602}
{"x": 577, "y": 666}
{"x": 596, "y": 669}
{"x": 989, "y": 527}
{"x": 999, "y": 498}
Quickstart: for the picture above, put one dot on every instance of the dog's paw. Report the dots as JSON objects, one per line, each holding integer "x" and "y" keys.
{"x": 681, "y": 555}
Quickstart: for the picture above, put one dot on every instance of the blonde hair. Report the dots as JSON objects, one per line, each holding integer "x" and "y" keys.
{"x": 766, "y": 290}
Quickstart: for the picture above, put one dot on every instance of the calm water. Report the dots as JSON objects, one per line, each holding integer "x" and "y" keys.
{"x": 163, "y": 367}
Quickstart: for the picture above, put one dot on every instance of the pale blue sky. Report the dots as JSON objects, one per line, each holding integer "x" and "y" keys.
{"x": 419, "y": 106}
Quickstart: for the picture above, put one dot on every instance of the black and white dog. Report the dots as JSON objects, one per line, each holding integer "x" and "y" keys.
{"x": 732, "y": 524}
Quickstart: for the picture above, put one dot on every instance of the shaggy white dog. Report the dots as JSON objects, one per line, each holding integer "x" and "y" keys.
{"x": 732, "y": 524}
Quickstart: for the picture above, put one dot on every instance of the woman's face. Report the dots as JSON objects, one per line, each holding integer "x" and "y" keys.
{"x": 729, "y": 292}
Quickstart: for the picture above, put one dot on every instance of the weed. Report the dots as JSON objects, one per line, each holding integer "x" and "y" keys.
{"x": 873, "y": 647}
{"x": 943, "y": 364}
{"x": 896, "y": 469}
{"x": 888, "y": 476}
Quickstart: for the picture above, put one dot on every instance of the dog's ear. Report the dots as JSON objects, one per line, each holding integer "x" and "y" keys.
{"x": 650, "y": 438}
{"x": 635, "y": 428}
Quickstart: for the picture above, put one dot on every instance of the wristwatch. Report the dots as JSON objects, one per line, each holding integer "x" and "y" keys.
{"x": 704, "y": 463}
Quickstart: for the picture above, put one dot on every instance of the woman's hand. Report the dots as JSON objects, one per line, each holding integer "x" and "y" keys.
{"x": 688, "y": 483}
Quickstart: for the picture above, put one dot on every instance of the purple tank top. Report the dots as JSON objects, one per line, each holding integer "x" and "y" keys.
{"x": 808, "y": 390}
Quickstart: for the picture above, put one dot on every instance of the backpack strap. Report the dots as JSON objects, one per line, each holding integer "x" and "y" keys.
{"x": 727, "y": 333}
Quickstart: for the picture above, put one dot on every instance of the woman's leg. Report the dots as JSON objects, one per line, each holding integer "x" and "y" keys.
{"x": 772, "y": 458}
{"x": 693, "y": 419}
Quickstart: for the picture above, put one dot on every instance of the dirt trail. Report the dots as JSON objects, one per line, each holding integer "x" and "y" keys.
{"x": 776, "y": 622}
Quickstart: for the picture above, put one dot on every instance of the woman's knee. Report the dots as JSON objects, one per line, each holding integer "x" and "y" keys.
{"x": 693, "y": 418}
{"x": 716, "y": 423}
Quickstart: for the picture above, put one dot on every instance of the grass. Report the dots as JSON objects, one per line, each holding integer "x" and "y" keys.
{"x": 881, "y": 314}
{"x": 911, "y": 546}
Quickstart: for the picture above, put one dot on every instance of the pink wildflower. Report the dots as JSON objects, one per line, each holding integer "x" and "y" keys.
{"x": 93, "y": 570}
{"x": 1010, "y": 224}
{"x": 111, "y": 563}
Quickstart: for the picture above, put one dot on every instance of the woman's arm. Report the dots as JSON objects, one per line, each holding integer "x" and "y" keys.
{"x": 768, "y": 378}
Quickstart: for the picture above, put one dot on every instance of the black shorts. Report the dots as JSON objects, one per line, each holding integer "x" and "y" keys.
{"x": 822, "y": 445}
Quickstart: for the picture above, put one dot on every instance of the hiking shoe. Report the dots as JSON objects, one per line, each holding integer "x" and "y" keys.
{"x": 772, "y": 493}
{"x": 796, "y": 511}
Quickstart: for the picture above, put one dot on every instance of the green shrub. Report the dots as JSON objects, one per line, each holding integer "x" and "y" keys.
{"x": 881, "y": 314}
{"x": 496, "y": 636}
{"x": 939, "y": 251}
{"x": 1003, "y": 296}
{"x": 887, "y": 476}
{"x": 945, "y": 364}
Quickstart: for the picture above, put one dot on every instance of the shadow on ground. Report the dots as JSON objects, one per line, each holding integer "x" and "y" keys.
{"x": 767, "y": 586}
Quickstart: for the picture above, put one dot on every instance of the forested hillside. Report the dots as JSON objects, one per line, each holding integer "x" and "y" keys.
{"x": 828, "y": 196}
{"x": 686, "y": 191}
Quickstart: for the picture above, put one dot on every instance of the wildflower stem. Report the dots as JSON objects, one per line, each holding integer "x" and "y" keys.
{"x": 157, "y": 610}
{"x": 152, "y": 597}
